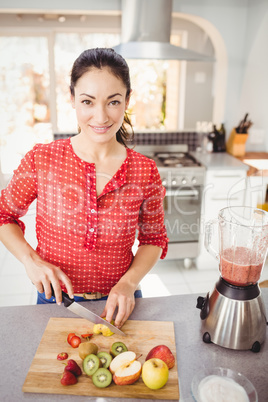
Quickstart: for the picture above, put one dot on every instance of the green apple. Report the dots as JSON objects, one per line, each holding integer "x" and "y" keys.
{"x": 154, "y": 373}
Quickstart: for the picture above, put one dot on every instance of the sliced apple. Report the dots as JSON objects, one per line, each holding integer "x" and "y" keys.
{"x": 121, "y": 359}
{"x": 128, "y": 373}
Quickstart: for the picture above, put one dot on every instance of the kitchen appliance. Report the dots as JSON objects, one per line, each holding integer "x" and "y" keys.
{"x": 83, "y": 312}
{"x": 146, "y": 29}
{"x": 183, "y": 177}
{"x": 233, "y": 314}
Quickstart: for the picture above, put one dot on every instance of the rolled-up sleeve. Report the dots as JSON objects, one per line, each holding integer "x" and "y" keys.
{"x": 152, "y": 229}
{"x": 20, "y": 192}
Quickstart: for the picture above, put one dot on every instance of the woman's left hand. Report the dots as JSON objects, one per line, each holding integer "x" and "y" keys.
{"x": 122, "y": 297}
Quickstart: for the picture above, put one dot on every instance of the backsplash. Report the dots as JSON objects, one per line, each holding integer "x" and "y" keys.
{"x": 158, "y": 138}
{"x": 167, "y": 138}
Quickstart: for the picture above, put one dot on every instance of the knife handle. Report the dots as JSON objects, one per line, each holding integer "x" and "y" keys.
{"x": 67, "y": 301}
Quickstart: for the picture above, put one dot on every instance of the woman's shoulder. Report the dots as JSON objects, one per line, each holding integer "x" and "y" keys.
{"x": 51, "y": 153}
{"x": 53, "y": 146}
{"x": 140, "y": 158}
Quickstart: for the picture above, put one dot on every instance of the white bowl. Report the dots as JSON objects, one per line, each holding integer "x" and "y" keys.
{"x": 228, "y": 378}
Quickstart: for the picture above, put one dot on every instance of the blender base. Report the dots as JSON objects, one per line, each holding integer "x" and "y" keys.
{"x": 233, "y": 317}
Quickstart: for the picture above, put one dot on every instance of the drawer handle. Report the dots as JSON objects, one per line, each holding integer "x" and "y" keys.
{"x": 224, "y": 199}
{"x": 228, "y": 176}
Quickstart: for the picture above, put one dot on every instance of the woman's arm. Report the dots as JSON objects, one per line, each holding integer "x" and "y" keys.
{"x": 41, "y": 273}
{"x": 122, "y": 294}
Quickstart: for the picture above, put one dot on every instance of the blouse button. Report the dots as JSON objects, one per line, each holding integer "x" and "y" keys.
{"x": 93, "y": 211}
{"x": 91, "y": 229}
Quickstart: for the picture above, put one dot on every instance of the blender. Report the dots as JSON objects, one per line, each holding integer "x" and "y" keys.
{"x": 233, "y": 313}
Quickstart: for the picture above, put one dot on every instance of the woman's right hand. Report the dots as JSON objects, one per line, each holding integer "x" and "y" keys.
{"x": 41, "y": 273}
{"x": 44, "y": 275}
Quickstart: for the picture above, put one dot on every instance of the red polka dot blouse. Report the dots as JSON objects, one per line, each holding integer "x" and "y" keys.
{"x": 89, "y": 237}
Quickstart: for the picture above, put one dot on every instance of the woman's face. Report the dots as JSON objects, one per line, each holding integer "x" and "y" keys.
{"x": 100, "y": 103}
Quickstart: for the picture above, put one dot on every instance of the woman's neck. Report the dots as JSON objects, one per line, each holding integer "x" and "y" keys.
{"x": 97, "y": 152}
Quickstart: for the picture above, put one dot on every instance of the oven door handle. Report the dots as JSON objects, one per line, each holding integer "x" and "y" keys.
{"x": 182, "y": 193}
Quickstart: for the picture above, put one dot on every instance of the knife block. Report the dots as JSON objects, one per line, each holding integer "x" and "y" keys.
{"x": 236, "y": 144}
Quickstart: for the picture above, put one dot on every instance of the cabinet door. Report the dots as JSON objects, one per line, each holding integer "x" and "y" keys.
{"x": 256, "y": 190}
{"x": 223, "y": 188}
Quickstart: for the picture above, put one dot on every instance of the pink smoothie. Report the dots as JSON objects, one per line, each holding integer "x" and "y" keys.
{"x": 239, "y": 266}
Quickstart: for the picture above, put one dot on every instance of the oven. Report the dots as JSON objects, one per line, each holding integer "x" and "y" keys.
{"x": 183, "y": 178}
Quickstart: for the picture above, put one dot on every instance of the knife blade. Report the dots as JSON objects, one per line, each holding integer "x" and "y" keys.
{"x": 83, "y": 312}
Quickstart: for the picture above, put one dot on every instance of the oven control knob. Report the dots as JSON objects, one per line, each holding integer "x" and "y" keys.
{"x": 173, "y": 182}
{"x": 164, "y": 182}
{"x": 183, "y": 181}
{"x": 194, "y": 180}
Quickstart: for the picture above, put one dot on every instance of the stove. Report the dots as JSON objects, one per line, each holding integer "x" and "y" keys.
{"x": 175, "y": 164}
{"x": 183, "y": 177}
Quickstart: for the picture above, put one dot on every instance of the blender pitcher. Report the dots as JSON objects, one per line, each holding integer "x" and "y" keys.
{"x": 243, "y": 243}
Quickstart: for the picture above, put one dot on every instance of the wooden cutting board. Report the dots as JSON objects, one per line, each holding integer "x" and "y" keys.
{"x": 45, "y": 371}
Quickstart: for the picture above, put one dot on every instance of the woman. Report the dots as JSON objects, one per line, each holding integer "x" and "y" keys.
{"x": 92, "y": 193}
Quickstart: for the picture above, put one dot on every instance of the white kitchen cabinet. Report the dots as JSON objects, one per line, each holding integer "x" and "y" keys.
{"x": 257, "y": 186}
{"x": 223, "y": 188}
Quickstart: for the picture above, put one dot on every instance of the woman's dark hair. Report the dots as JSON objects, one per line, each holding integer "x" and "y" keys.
{"x": 100, "y": 58}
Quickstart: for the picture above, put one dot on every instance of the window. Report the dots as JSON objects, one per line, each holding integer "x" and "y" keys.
{"x": 24, "y": 97}
{"x": 155, "y": 98}
{"x": 35, "y": 99}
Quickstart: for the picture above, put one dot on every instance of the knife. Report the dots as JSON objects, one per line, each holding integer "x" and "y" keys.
{"x": 83, "y": 312}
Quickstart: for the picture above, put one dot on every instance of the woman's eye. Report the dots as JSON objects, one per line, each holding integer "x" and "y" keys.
{"x": 114, "y": 103}
{"x": 87, "y": 102}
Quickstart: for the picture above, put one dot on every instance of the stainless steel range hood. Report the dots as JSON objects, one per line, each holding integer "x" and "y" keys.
{"x": 146, "y": 27}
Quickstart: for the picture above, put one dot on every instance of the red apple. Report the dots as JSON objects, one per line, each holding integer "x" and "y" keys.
{"x": 155, "y": 373}
{"x": 162, "y": 352}
{"x": 128, "y": 373}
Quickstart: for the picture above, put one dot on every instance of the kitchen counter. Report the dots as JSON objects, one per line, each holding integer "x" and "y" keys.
{"x": 219, "y": 160}
{"x": 254, "y": 160}
{"x": 22, "y": 329}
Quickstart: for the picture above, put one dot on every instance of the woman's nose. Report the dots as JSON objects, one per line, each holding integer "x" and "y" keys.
{"x": 101, "y": 115}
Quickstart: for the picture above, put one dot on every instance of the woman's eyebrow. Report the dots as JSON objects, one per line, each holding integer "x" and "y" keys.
{"x": 93, "y": 97}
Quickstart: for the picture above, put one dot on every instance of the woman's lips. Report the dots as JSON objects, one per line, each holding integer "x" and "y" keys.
{"x": 100, "y": 129}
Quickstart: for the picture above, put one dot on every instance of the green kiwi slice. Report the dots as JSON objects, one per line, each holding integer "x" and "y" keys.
{"x": 91, "y": 364}
{"x": 117, "y": 348}
{"x": 105, "y": 359}
{"x": 102, "y": 378}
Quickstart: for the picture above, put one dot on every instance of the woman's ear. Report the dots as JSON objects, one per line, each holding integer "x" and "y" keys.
{"x": 128, "y": 99}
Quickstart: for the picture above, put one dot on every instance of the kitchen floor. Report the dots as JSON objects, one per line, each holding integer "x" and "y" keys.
{"x": 168, "y": 277}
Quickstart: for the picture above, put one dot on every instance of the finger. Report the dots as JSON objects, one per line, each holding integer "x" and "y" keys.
{"x": 57, "y": 291}
{"x": 103, "y": 314}
{"x": 110, "y": 309}
{"x": 47, "y": 289}
{"x": 124, "y": 310}
{"x": 39, "y": 287}
{"x": 68, "y": 284}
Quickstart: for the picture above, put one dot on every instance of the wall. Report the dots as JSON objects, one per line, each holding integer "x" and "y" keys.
{"x": 199, "y": 95}
{"x": 254, "y": 91}
{"x": 243, "y": 25}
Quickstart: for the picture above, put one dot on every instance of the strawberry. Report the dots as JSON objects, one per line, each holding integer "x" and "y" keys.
{"x": 73, "y": 367}
{"x": 68, "y": 378}
{"x": 75, "y": 341}
{"x": 86, "y": 335}
{"x": 62, "y": 356}
{"x": 69, "y": 337}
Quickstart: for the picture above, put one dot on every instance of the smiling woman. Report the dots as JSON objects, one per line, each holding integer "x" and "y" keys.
{"x": 93, "y": 193}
